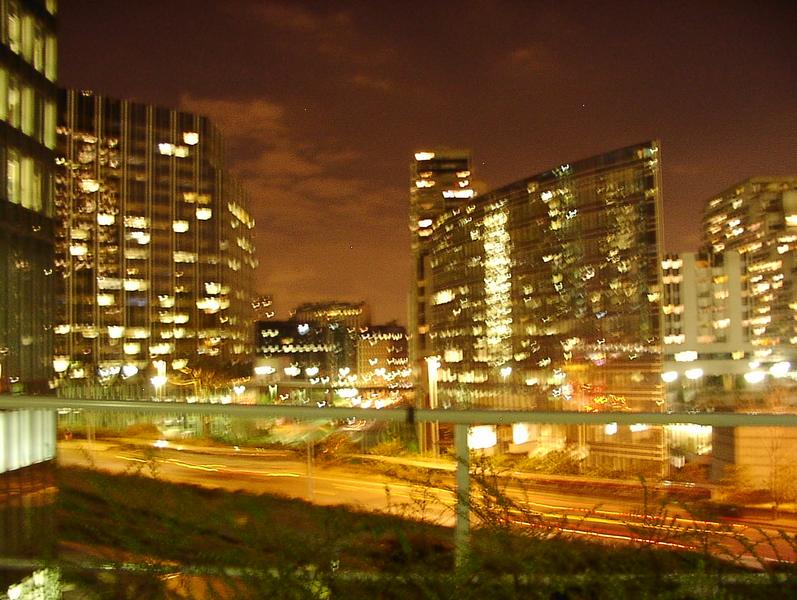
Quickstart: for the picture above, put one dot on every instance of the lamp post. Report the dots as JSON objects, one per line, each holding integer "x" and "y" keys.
{"x": 432, "y": 368}
{"x": 159, "y": 380}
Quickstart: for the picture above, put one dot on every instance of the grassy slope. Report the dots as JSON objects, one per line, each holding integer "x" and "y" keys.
{"x": 141, "y": 516}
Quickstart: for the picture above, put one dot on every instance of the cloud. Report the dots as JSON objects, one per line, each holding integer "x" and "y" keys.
{"x": 298, "y": 19}
{"x": 240, "y": 119}
{"x": 374, "y": 83}
{"x": 324, "y": 229}
{"x": 532, "y": 59}
{"x": 331, "y": 34}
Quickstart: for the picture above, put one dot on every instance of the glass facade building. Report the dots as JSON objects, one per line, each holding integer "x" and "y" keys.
{"x": 155, "y": 245}
{"x": 28, "y": 97}
{"x": 546, "y": 295}
{"x": 28, "y": 105}
{"x": 439, "y": 181}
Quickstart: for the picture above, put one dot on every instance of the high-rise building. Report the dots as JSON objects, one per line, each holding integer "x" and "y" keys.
{"x": 758, "y": 219}
{"x": 155, "y": 244}
{"x": 440, "y": 180}
{"x": 707, "y": 350}
{"x": 28, "y": 108}
{"x": 546, "y": 294}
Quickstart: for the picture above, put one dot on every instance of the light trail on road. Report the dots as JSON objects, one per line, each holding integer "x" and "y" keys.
{"x": 570, "y": 513}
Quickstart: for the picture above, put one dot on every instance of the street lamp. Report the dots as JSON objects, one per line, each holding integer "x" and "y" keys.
{"x": 432, "y": 368}
{"x": 159, "y": 380}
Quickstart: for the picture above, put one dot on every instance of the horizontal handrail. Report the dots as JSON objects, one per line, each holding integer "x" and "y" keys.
{"x": 475, "y": 416}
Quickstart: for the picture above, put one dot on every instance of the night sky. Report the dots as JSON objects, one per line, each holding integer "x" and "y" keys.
{"x": 323, "y": 103}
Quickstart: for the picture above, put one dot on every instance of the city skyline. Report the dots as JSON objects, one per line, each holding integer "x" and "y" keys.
{"x": 324, "y": 106}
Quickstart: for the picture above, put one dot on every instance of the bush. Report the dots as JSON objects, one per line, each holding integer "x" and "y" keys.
{"x": 141, "y": 430}
{"x": 389, "y": 448}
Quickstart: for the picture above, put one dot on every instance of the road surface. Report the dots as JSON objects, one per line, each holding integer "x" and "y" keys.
{"x": 280, "y": 472}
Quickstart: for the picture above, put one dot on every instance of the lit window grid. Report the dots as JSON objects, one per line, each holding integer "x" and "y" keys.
{"x": 630, "y": 337}
{"x": 141, "y": 242}
{"x": 753, "y": 219}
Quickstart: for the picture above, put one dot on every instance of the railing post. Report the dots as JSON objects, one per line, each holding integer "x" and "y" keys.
{"x": 310, "y": 462}
{"x": 462, "y": 529}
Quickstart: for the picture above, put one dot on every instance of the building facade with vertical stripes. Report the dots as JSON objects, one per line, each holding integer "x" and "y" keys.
{"x": 155, "y": 248}
{"x": 546, "y": 295}
{"x": 28, "y": 107}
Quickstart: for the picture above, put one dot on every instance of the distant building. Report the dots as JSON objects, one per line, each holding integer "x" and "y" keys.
{"x": 155, "y": 247}
{"x": 294, "y": 349}
{"x": 706, "y": 337}
{"x": 382, "y": 358}
{"x": 263, "y": 308}
{"x": 349, "y": 314}
{"x": 331, "y": 346}
{"x": 758, "y": 219}
{"x": 28, "y": 109}
{"x": 546, "y": 294}
{"x": 440, "y": 180}
{"x": 339, "y": 324}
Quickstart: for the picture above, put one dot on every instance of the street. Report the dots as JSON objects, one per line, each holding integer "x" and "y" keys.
{"x": 619, "y": 520}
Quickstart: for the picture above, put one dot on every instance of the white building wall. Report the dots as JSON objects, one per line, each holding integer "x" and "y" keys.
{"x": 27, "y": 437}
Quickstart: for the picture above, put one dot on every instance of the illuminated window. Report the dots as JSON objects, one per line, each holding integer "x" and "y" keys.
{"x": 14, "y": 27}
{"x": 458, "y": 194}
{"x": 50, "y": 54}
{"x": 89, "y": 185}
{"x": 105, "y": 299}
{"x": 135, "y": 285}
{"x": 13, "y": 177}
{"x": 185, "y": 257}
{"x": 136, "y": 222}
{"x": 14, "y": 102}
{"x": 27, "y": 112}
{"x": 49, "y": 123}
{"x": 141, "y": 237}
{"x": 136, "y": 253}
{"x": 38, "y": 48}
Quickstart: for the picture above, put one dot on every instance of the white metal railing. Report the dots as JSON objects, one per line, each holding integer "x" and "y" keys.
{"x": 453, "y": 416}
{"x": 459, "y": 418}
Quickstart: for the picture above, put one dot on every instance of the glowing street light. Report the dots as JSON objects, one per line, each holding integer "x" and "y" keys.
{"x": 60, "y": 364}
{"x": 780, "y": 369}
{"x": 694, "y": 374}
{"x": 159, "y": 380}
{"x": 754, "y": 377}
{"x": 432, "y": 368}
